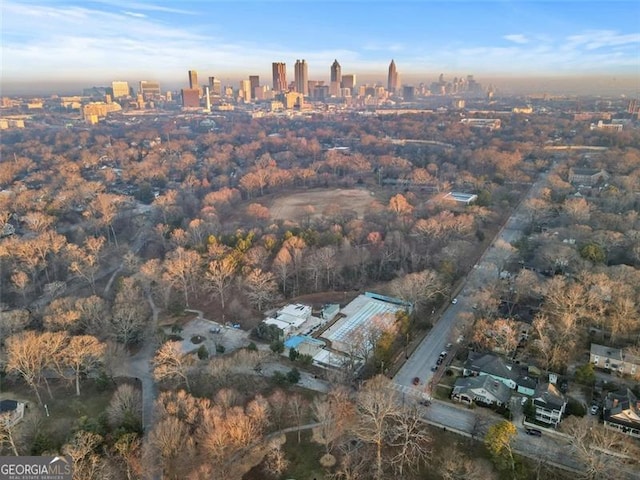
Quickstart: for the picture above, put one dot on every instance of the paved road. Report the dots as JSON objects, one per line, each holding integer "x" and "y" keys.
{"x": 447, "y": 328}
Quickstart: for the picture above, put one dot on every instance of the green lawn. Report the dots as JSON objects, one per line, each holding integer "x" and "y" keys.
{"x": 66, "y": 411}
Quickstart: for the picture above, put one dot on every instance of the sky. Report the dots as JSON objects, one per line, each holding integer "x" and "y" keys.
{"x": 92, "y": 42}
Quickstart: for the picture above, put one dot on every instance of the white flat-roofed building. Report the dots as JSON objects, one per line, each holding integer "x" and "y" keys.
{"x": 290, "y": 318}
{"x": 460, "y": 197}
{"x": 359, "y": 315}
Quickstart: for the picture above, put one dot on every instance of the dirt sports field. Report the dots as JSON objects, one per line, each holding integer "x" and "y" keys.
{"x": 292, "y": 207}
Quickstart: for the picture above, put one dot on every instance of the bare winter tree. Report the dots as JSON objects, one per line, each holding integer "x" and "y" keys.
{"x": 129, "y": 313}
{"x": 410, "y": 441}
{"x": 81, "y": 354}
{"x": 261, "y": 288}
{"x": 220, "y": 275}
{"x": 82, "y": 449}
{"x": 170, "y": 363}
{"x": 378, "y": 407}
{"x": 418, "y": 288}
{"x": 125, "y": 406}
{"x": 30, "y": 353}
{"x": 602, "y": 450}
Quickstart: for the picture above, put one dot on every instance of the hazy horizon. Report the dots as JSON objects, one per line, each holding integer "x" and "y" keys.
{"x": 504, "y": 85}
{"x": 574, "y": 45}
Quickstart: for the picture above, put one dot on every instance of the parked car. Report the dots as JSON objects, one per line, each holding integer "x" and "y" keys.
{"x": 594, "y": 409}
{"x": 415, "y": 380}
{"x": 533, "y": 431}
{"x": 454, "y": 301}
{"x": 434, "y": 368}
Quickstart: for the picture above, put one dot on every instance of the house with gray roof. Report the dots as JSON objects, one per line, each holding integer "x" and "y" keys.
{"x": 550, "y": 404}
{"x": 622, "y": 412}
{"x": 11, "y": 412}
{"x": 587, "y": 176}
{"x": 483, "y": 389}
{"x": 617, "y": 360}
{"x": 514, "y": 376}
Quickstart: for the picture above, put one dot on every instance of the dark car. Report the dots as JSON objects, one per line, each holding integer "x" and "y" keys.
{"x": 533, "y": 431}
{"x": 415, "y": 380}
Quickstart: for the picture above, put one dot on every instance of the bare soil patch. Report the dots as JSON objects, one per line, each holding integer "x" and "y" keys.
{"x": 292, "y": 207}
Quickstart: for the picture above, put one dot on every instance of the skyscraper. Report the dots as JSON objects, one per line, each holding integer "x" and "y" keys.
{"x": 193, "y": 82}
{"x": 245, "y": 90}
{"x": 349, "y": 81}
{"x": 279, "y": 76}
{"x": 301, "y": 77}
{"x": 215, "y": 86}
{"x": 254, "y": 80}
{"x": 193, "y": 79}
{"x": 336, "y": 78}
{"x": 392, "y": 82}
{"x": 149, "y": 89}
{"x": 120, "y": 89}
{"x": 190, "y": 98}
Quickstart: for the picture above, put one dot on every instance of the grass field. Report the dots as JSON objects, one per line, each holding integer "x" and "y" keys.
{"x": 293, "y": 207}
{"x": 65, "y": 412}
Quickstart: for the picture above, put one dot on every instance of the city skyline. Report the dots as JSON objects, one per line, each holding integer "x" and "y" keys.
{"x": 96, "y": 42}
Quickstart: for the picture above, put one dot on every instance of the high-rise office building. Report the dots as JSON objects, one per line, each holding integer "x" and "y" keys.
{"x": 279, "y": 77}
{"x": 193, "y": 79}
{"x": 349, "y": 81}
{"x": 149, "y": 89}
{"x": 254, "y": 80}
{"x": 301, "y": 77}
{"x": 245, "y": 90}
{"x": 336, "y": 79}
{"x": 120, "y": 89}
{"x": 215, "y": 86}
{"x": 193, "y": 82}
{"x": 408, "y": 93}
{"x": 190, "y": 98}
{"x": 392, "y": 81}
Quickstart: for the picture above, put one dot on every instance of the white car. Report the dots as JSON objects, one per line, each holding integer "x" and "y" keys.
{"x": 454, "y": 301}
{"x": 594, "y": 409}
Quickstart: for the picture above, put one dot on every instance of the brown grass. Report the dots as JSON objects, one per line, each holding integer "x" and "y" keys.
{"x": 292, "y": 207}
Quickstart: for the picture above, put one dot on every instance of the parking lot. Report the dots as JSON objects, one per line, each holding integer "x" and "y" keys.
{"x": 214, "y": 335}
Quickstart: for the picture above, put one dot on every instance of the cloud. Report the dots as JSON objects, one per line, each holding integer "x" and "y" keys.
{"x": 595, "y": 39}
{"x": 134, "y": 14}
{"x": 144, "y": 6}
{"x": 517, "y": 38}
{"x": 109, "y": 39}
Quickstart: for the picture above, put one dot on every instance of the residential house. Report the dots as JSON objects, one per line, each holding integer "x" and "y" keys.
{"x": 516, "y": 377}
{"x": 620, "y": 361}
{"x": 622, "y": 411}
{"x": 550, "y": 404}
{"x": 483, "y": 389}
{"x": 11, "y": 412}
{"x": 587, "y": 176}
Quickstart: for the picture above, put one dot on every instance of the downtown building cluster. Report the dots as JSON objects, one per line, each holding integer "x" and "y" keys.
{"x": 287, "y": 93}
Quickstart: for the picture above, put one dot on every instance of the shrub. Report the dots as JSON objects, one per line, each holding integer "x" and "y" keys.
{"x": 293, "y": 376}
{"x": 203, "y": 353}
{"x": 277, "y": 346}
{"x": 574, "y": 407}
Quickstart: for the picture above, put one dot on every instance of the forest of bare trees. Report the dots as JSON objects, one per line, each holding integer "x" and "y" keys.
{"x": 108, "y": 231}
